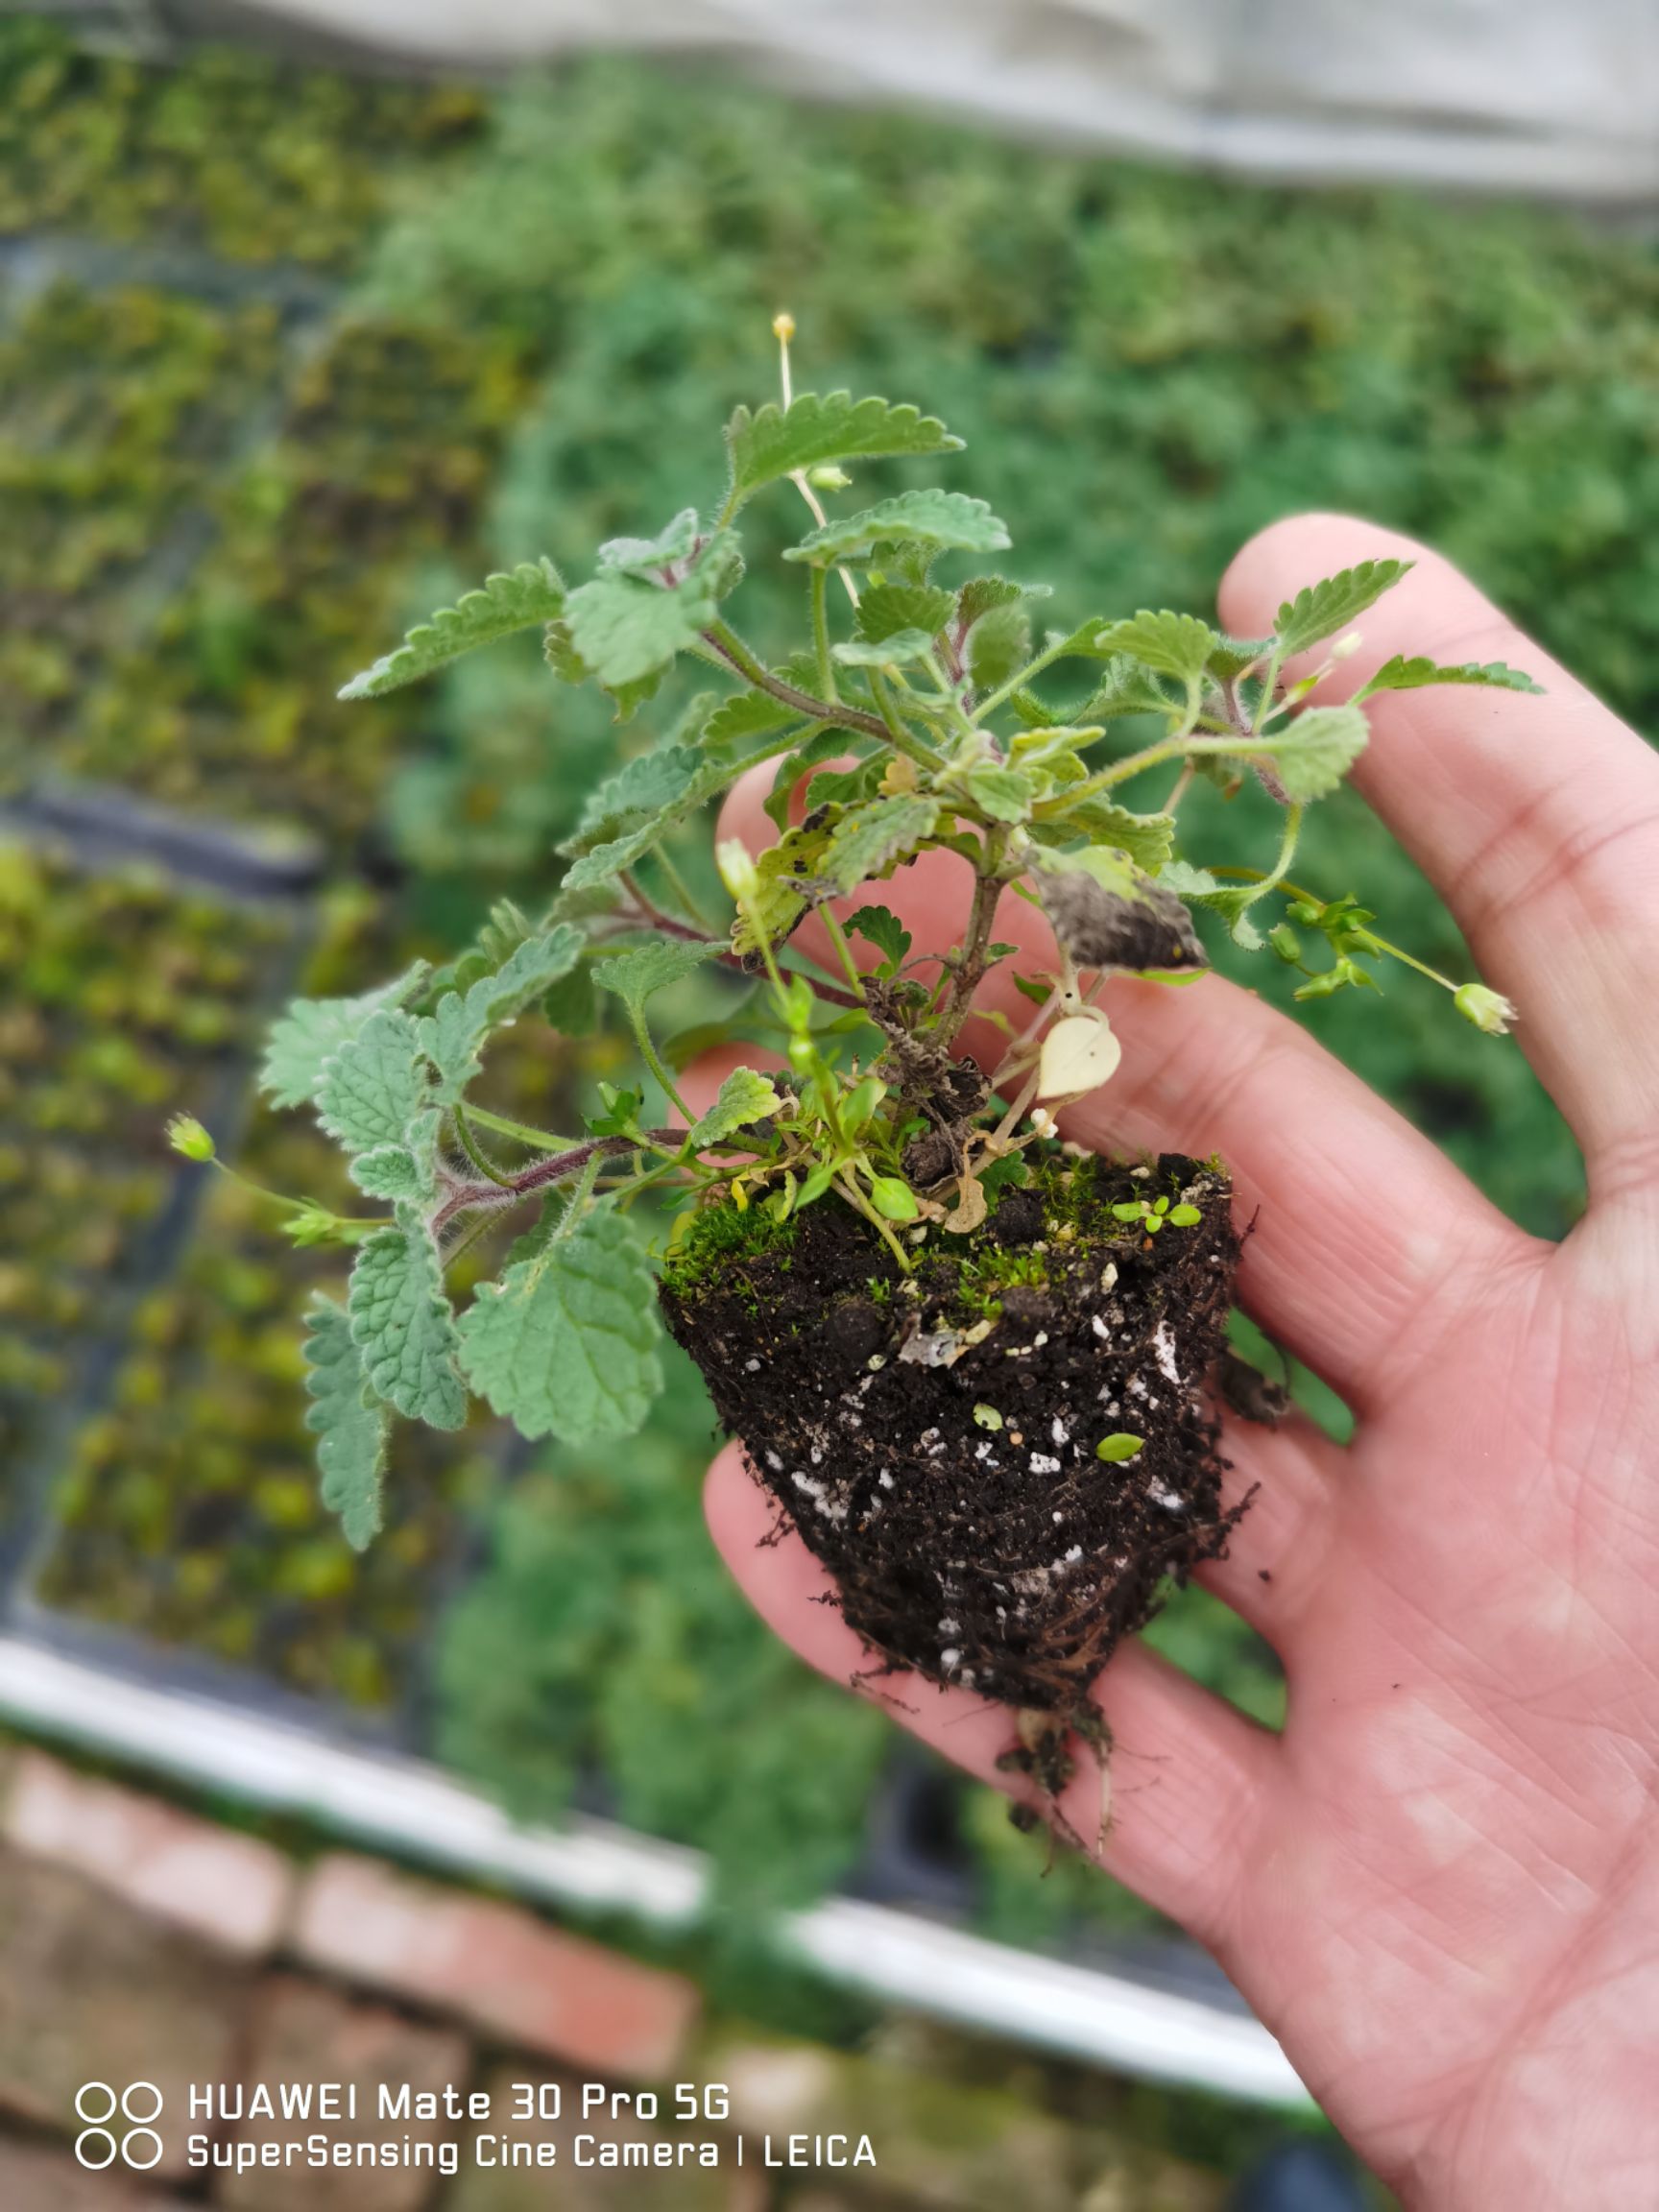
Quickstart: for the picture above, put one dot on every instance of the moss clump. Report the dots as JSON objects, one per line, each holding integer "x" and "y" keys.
{"x": 723, "y": 1232}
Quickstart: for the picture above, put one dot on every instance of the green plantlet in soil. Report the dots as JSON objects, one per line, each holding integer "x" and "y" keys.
{"x": 968, "y": 1364}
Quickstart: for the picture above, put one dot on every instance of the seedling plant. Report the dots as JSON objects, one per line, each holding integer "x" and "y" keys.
{"x": 970, "y": 1363}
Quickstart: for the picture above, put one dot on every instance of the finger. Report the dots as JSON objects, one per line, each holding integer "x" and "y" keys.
{"x": 1537, "y": 819}
{"x": 1365, "y": 1236}
{"x": 1189, "y": 1774}
{"x": 1276, "y": 1555}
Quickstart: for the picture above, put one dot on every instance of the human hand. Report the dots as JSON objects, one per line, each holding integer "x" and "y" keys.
{"x": 1440, "y": 1885}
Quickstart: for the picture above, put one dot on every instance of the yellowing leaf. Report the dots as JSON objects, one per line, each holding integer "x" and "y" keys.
{"x": 1079, "y": 1053}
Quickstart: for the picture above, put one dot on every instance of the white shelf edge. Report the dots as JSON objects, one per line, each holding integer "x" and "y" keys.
{"x": 405, "y": 1806}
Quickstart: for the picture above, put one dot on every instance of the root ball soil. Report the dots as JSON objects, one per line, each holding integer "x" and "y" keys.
{"x": 936, "y": 1439}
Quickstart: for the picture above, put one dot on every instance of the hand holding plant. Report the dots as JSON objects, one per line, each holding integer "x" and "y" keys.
{"x": 933, "y": 1326}
{"x": 1438, "y": 1885}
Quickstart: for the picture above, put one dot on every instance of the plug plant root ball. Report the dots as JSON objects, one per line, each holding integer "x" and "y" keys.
{"x": 937, "y": 1439}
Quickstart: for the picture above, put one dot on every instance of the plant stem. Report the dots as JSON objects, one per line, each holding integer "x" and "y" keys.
{"x": 981, "y": 921}
{"x": 818, "y": 586}
{"x": 843, "y": 951}
{"x": 904, "y": 739}
{"x": 1382, "y": 945}
{"x": 471, "y": 1146}
{"x": 648, "y": 1053}
{"x": 1019, "y": 680}
{"x": 726, "y": 641}
{"x": 682, "y": 891}
{"x": 539, "y": 1140}
{"x": 859, "y": 1204}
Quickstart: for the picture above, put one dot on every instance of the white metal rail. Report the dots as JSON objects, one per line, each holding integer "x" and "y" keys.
{"x": 403, "y": 1806}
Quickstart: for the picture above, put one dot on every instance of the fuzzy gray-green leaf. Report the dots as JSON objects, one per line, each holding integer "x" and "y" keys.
{"x": 1312, "y": 755}
{"x": 870, "y": 839}
{"x": 565, "y": 1344}
{"x": 515, "y": 600}
{"x": 402, "y": 1326}
{"x": 636, "y": 975}
{"x": 745, "y": 1097}
{"x": 1401, "y": 674}
{"x": 1320, "y": 609}
{"x": 887, "y": 609}
{"x": 1170, "y": 645}
{"x": 999, "y": 644}
{"x": 374, "y": 1085}
{"x": 776, "y": 442}
{"x": 938, "y": 521}
{"x": 451, "y": 1035}
{"x": 625, "y": 629}
{"x": 348, "y": 1422}
{"x": 303, "y": 1039}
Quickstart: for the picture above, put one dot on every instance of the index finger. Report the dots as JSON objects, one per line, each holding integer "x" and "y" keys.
{"x": 1536, "y": 819}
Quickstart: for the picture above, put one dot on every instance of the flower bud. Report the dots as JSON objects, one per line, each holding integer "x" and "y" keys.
{"x": 187, "y": 1136}
{"x": 1079, "y": 1054}
{"x": 827, "y": 478}
{"x": 1347, "y": 646}
{"x": 1489, "y": 1010}
{"x": 784, "y": 326}
{"x": 737, "y": 870}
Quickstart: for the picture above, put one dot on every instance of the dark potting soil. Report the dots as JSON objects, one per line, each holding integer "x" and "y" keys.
{"x": 934, "y": 1440}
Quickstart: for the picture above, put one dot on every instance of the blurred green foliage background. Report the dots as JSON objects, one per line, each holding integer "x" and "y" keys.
{"x": 283, "y": 359}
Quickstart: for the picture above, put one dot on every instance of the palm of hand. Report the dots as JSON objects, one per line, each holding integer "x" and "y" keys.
{"x": 1437, "y": 1887}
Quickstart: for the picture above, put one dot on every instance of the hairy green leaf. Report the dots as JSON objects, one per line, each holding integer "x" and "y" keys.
{"x": 823, "y": 744}
{"x": 565, "y": 1344}
{"x": 745, "y": 1097}
{"x": 1232, "y": 656}
{"x": 303, "y": 1039}
{"x": 846, "y": 786}
{"x": 402, "y": 1326}
{"x": 640, "y": 788}
{"x": 980, "y": 593}
{"x": 872, "y": 838}
{"x": 897, "y": 647}
{"x": 644, "y": 557}
{"x": 1401, "y": 674}
{"x": 938, "y": 521}
{"x": 1312, "y": 755}
{"x": 1188, "y": 881}
{"x": 531, "y": 592}
{"x": 1320, "y": 609}
{"x": 779, "y": 904}
{"x": 1125, "y": 689}
{"x": 562, "y": 656}
{"x": 625, "y": 629}
{"x": 375, "y": 1084}
{"x": 451, "y": 1035}
{"x": 347, "y": 1421}
{"x": 1148, "y": 839}
{"x": 389, "y": 1171}
{"x": 1005, "y": 794}
{"x": 774, "y": 442}
{"x": 746, "y": 716}
{"x": 888, "y": 609}
{"x": 1170, "y": 645}
{"x": 880, "y": 926}
{"x": 635, "y": 976}
{"x": 999, "y": 644}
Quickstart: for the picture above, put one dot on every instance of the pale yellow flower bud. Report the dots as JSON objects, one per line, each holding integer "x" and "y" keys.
{"x": 737, "y": 870}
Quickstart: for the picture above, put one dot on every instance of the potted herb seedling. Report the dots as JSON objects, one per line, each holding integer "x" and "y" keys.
{"x": 971, "y": 1365}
